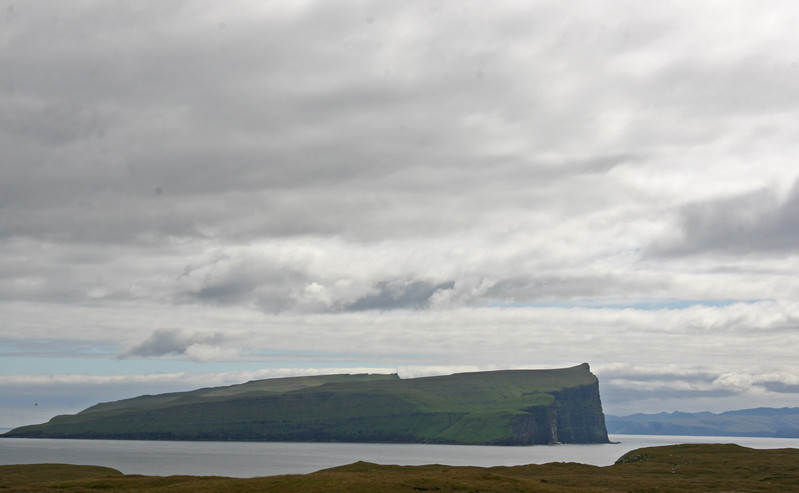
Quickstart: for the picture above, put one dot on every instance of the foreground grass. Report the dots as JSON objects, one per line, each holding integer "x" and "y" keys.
{"x": 694, "y": 467}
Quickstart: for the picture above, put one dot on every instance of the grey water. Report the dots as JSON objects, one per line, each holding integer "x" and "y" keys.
{"x": 252, "y": 459}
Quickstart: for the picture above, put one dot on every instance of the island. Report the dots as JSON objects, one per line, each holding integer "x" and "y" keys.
{"x": 504, "y": 407}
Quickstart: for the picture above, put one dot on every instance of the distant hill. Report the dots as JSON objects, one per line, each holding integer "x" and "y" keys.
{"x": 509, "y": 407}
{"x": 674, "y": 468}
{"x": 758, "y": 422}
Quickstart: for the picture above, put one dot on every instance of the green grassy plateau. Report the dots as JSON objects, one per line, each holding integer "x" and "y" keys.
{"x": 509, "y": 407}
{"x": 675, "y": 468}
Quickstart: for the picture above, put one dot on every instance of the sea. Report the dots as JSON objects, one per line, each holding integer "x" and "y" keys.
{"x": 253, "y": 459}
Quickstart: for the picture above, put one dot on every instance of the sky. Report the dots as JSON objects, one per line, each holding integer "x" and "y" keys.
{"x": 201, "y": 193}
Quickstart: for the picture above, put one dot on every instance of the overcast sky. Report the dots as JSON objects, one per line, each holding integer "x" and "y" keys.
{"x": 202, "y": 193}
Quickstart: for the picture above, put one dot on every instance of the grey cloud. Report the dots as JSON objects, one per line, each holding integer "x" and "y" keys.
{"x": 755, "y": 222}
{"x": 53, "y": 346}
{"x": 267, "y": 129}
{"x": 625, "y": 388}
{"x": 541, "y": 288}
{"x": 745, "y": 85}
{"x": 270, "y": 284}
{"x": 669, "y": 375}
{"x": 393, "y": 295}
{"x": 569, "y": 286}
{"x": 51, "y": 124}
{"x": 164, "y": 342}
{"x": 622, "y": 397}
{"x": 781, "y": 387}
{"x": 160, "y": 342}
{"x": 251, "y": 135}
{"x": 678, "y": 386}
{"x": 283, "y": 280}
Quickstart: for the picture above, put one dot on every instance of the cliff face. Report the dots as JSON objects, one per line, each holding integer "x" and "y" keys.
{"x": 510, "y": 407}
{"x": 580, "y": 416}
{"x": 574, "y": 417}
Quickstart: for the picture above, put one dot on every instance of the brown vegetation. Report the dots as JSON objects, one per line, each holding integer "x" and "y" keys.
{"x": 676, "y": 468}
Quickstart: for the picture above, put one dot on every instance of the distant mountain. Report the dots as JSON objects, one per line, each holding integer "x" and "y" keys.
{"x": 509, "y": 407}
{"x": 758, "y": 422}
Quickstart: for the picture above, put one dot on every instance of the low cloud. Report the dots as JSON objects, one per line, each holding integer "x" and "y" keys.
{"x": 782, "y": 382}
{"x": 754, "y": 222}
{"x": 269, "y": 280}
{"x": 286, "y": 277}
{"x": 650, "y": 389}
{"x": 570, "y": 286}
{"x": 393, "y": 295}
{"x": 173, "y": 342}
{"x": 781, "y": 387}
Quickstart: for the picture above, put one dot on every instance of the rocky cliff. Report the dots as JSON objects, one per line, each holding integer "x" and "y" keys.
{"x": 575, "y": 416}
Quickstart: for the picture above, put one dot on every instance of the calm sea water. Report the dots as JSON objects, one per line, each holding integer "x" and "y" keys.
{"x": 250, "y": 459}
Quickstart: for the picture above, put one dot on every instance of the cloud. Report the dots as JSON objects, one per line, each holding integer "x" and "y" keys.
{"x": 270, "y": 279}
{"x": 392, "y": 295}
{"x": 393, "y": 128}
{"x": 569, "y": 286}
{"x": 756, "y": 222}
{"x": 783, "y": 382}
{"x": 489, "y": 185}
{"x": 781, "y": 387}
{"x": 175, "y": 342}
{"x": 673, "y": 387}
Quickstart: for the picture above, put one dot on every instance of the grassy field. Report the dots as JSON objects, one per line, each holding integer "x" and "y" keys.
{"x": 675, "y": 468}
{"x": 498, "y": 407}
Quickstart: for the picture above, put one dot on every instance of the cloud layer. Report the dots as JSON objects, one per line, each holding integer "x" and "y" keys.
{"x": 756, "y": 222}
{"x": 385, "y": 185}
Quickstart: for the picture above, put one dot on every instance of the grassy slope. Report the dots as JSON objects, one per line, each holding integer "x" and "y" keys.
{"x": 695, "y": 467}
{"x": 271, "y": 386}
{"x": 462, "y": 408}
